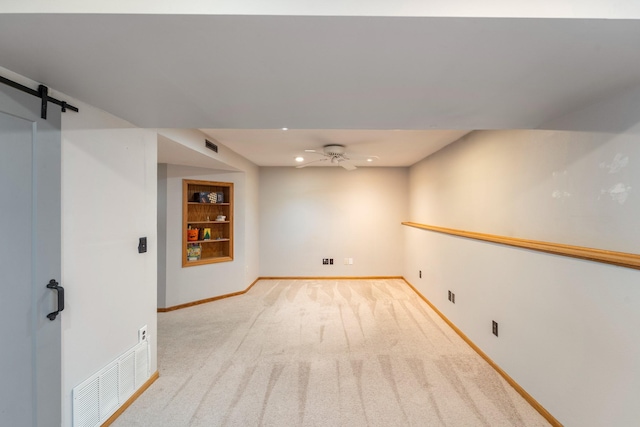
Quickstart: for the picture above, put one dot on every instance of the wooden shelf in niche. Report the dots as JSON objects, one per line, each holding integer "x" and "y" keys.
{"x": 199, "y": 211}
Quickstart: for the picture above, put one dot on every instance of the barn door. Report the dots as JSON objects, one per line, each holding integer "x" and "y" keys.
{"x": 30, "y": 247}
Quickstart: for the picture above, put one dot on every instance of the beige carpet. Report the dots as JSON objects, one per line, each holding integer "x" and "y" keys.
{"x": 321, "y": 353}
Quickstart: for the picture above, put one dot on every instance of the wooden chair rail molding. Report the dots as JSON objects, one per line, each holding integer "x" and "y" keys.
{"x": 621, "y": 259}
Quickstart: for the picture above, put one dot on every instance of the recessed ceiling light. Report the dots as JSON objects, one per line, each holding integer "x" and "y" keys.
{"x": 285, "y": 128}
{"x": 369, "y": 160}
{"x": 299, "y": 159}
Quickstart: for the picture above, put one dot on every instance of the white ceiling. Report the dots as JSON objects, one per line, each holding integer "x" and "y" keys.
{"x": 420, "y": 81}
{"x": 276, "y": 147}
{"x": 611, "y": 9}
{"x": 170, "y": 151}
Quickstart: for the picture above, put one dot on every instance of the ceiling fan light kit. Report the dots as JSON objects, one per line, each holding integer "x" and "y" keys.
{"x": 334, "y": 150}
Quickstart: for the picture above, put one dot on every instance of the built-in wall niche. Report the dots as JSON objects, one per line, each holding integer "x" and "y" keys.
{"x": 207, "y": 222}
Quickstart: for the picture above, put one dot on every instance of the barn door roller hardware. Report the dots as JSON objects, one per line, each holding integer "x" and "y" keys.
{"x": 42, "y": 93}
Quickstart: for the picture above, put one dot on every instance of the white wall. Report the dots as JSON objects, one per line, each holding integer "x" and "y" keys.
{"x": 576, "y": 188}
{"x": 194, "y": 140}
{"x": 327, "y": 212}
{"x": 108, "y": 202}
{"x": 184, "y": 285}
{"x": 568, "y": 328}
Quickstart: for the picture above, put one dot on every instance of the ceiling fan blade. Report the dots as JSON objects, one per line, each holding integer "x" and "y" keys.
{"x": 316, "y": 152}
{"x": 362, "y": 157}
{"x": 310, "y": 163}
{"x": 347, "y": 165}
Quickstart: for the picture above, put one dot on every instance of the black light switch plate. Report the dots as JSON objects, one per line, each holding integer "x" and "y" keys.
{"x": 142, "y": 245}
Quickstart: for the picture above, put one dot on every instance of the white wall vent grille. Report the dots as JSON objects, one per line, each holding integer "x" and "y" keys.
{"x": 127, "y": 374}
{"x": 86, "y": 406}
{"x": 142, "y": 366}
{"x": 97, "y": 398}
{"x": 109, "y": 390}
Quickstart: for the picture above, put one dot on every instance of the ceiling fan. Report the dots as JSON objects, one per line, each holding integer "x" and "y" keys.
{"x": 336, "y": 154}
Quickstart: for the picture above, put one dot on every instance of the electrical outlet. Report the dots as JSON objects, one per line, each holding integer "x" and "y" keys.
{"x": 346, "y": 261}
{"x": 453, "y": 297}
{"x": 420, "y": 274}
{"x": 449, "y": 296}
{"x": 350, "y": 261}
{"x": 494, "y": 327}
{"x": 331, "y": 261}
{"x": 142, "y": 334}
{"x": 325, "y": 261}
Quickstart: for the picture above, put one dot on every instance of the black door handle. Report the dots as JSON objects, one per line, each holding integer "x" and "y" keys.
{"x": 55, "y": 286}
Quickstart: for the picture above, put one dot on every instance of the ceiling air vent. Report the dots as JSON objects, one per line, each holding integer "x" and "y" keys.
{"x": 210, "y": 145}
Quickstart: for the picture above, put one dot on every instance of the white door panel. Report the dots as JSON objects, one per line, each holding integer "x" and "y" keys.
{"x": 30, "y": 343}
